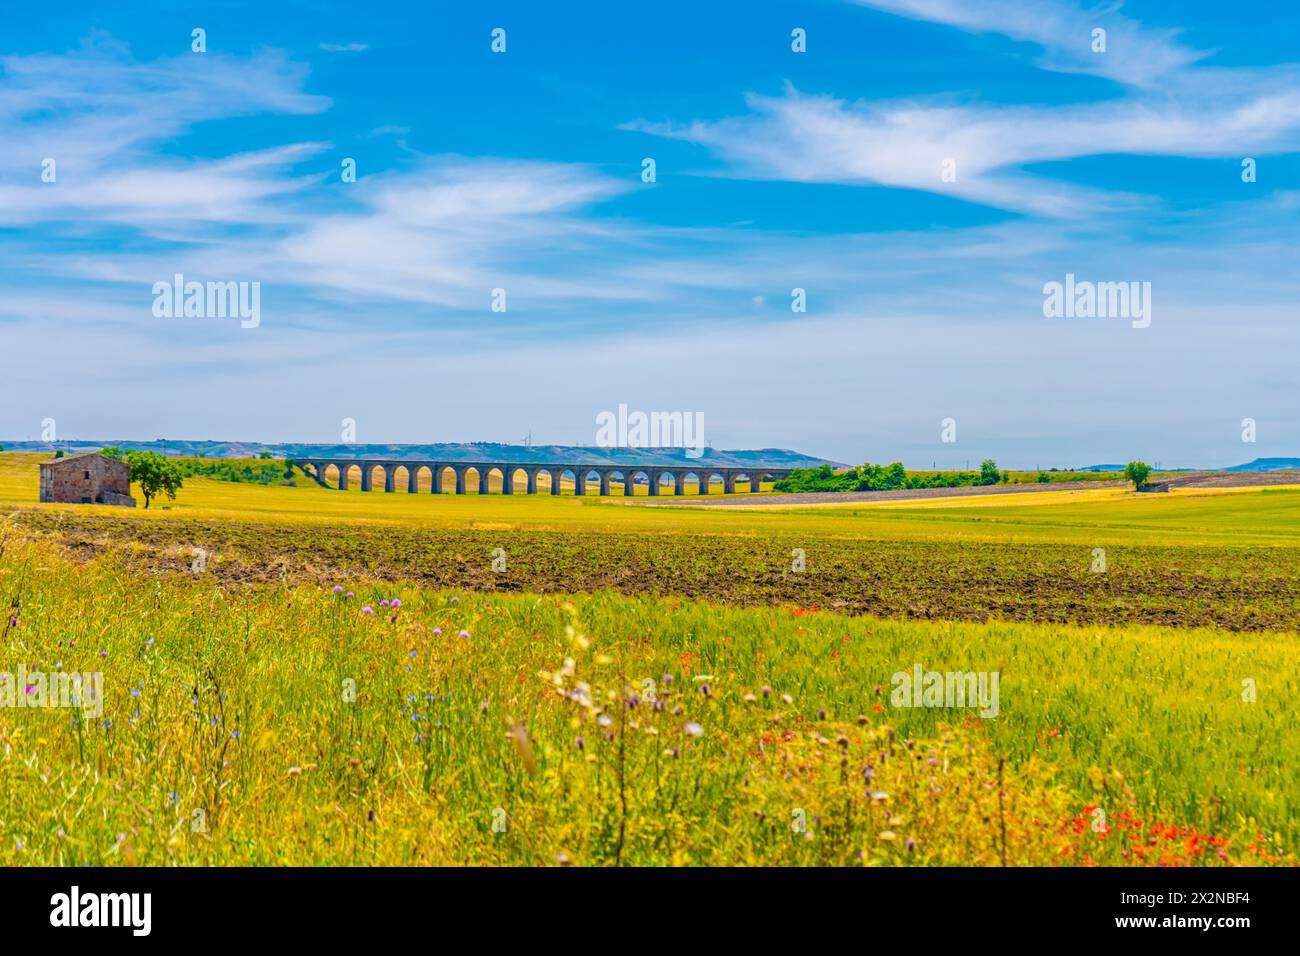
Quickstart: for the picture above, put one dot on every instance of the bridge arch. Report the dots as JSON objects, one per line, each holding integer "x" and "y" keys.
{"x": 706, "y": 480}
{"x": 657, "y": 477}
{"x": 367, "y": 469}
{"x": 340, "y": 479}
{"x": 552, "y": 480}
{"x": 562, "y": 473}
{"x": 466, "y": 478}
{"x": 480, "y": 481}
{"x": 414, "y": 473}
{"x": 582, "y": 477}
{"x": 510, "y": 478}
{"x": 631, "y": 475}
{"x": 611, "y": 476}
{"x": 404, "y": 477}
{"x": 352, "y": 476}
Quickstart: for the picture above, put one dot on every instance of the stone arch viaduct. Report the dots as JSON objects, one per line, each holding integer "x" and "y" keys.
{"x": 583, "y": 476}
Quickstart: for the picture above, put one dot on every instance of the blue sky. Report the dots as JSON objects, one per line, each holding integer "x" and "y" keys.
{"x": 776, "y": 170}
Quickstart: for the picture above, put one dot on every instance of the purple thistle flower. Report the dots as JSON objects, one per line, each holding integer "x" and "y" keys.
{"x": 367, "y": 610}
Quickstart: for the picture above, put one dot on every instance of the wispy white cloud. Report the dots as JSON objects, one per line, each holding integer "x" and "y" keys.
{"x": 444, "y": 231}
{"x": 157, "y": 197}
{"x": 98, "y": 114}
{"x": 452, "y": 230}
{"x": 821, "y": 139}
{"x": 99, "y": 102}
{"x": 1174, "y": 106}
{"x": 345, "y": 47}
{"x": 1134, "y": 54}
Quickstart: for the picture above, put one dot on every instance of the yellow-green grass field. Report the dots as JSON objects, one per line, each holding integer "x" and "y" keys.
{"x": 283, "y": 724}
{"x": 269, "y": 720}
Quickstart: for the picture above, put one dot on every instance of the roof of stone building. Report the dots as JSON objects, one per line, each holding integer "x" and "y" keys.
{"x": 76, "y": 457}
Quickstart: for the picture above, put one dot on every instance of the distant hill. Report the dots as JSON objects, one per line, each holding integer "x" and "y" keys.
{"x": 468, "y": 452}
{"x": 1259, "y": 464}
{"x": 1268, "y": 464}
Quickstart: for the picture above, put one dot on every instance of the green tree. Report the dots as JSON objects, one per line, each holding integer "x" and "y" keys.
{"x": 1137, "y": 472}
{"x": 154, "y": 474}
{"x": 989, "y": 474}
{"x": 113, "y": 451}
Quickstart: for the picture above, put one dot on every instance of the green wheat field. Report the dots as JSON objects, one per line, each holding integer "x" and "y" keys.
{"x": 343, "y": 704}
